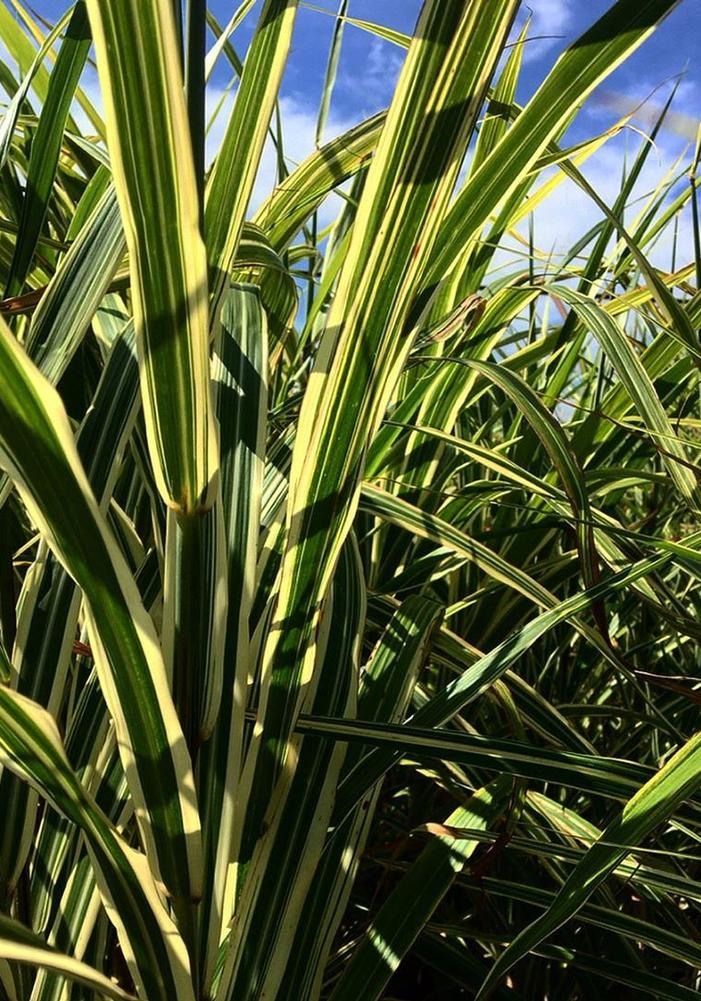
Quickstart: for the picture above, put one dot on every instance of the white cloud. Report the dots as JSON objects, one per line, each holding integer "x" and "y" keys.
{"x": 551, "y": 15}
{"x": 299, "y": 131}
{"x": 549, "y": 18}
{"x": 371, "y": 84}
{"x": 645, "y": 99}
{"x": 384, "y": 63}
{"x": 568, "y": 213}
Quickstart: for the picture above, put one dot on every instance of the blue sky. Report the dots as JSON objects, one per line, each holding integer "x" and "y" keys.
{"x": 369, "y": 67}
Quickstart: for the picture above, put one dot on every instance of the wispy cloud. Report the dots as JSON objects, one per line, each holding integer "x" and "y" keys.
{"x": 551, "y": 20}
{"x": 371, "y": 83}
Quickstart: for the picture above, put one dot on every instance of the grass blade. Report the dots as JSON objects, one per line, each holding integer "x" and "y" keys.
{"x": 151, "y": 154}
{"x": 30, "y": 745}
{"x": 231, "y": 180}
{"x": 411, "y": 904}
{"x": 39, "y": 453}
{"x": 21, "y": 945}
{"x": 579, "y": 69}
{"x": 652, "y": 804}
{"x": 443, "y": 83}
{"x": 46, "y": 147}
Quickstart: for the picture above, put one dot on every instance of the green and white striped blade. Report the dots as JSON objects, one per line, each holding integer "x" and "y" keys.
{"x": 387, "y": 684}
{"x": 588, "y": 61}
{"x": 241, "y": 394}
{"x": 151, "y": 157}
{"x": 446, "y": 951}
{"x": 38, "y": 451}
{"x": 631, "y": 372}
{"x": 224, "y": 34}
{"x": 194, "y": 617}
{"x": 21, "y": 945}
{"x": 31, "y": 746}
{"x": 5, "y": 665}
{"x": 92, "y": 752}
{"x": 9, "y": 121}
{"x": 296, "y": 838}
{"x": 92, "y": 193}
{"x": 46, "y": 146}
{"x": 487, "y": 669}
{"x": 611, "y": 778}
{"x": 616, "y": 922}
{"x": 77, "y": 914}
{"x": 494, "y": 125}
{"x": 49, "y": 603}
{"x": 286, "y": 210}
{"x": 79, "y": 283}
{"x": 331, "y": 71}
{"x": 231, "y": 179}
{"x": 552, "y": 436}
{"x": 435, "y": 106}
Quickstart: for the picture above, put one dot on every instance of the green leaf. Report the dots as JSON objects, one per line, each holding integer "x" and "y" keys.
{"x": 553, "y": 438}
{"x": 405, "y": 197}
{"x": 284, "y": 212}
{"x": 46, "y": 145}
{"x": 386, "y": 687}
{"x": 70, "y": 301}
{"x": 331, "y": 71}
{"x": 149, "y": 145}
{"x": 588, "y": 61}
{"x": 30, "y": 745}
{"x": 240, "y": 375}
{"x": 403, "y": 915}
{"x": 9, "y": 121}
{"x": 601, "y": 776}
{"x": 487, "y": 669}
{"x": 632, "y": 374}
{"x": 38, "y": 451}
{"x": 676, "y": 781}
{"x": 230, "y": 183}
{"x": 21, "y": 945}
{"x": 289, "y": 856}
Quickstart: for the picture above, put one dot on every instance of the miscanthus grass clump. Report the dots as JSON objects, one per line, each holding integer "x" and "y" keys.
{"x": 349, "y": 572}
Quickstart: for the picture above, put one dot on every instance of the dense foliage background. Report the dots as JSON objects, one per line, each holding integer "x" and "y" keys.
{"x": 349, "y": 538}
